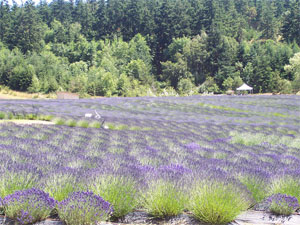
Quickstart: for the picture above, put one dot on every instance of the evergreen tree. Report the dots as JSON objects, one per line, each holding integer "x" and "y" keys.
{"x": 291, "y": 23}
{"x": 5, "y": 20}
{"x": 26, "y": 32}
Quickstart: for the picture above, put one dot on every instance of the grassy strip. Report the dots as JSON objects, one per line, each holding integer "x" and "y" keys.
{"x": 222, "y": 107}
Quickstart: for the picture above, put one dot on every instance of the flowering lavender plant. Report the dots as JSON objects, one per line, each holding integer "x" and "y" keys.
{"x": 83, "y": 208}
{"x": 286, "y": 184}
{"x": 60, "y": 185}
{"x": 28, "y": 206}
{"x": 218, "y": 202}
{"x": 282, "y": 204}
{"x": 119, "y": 191}
{"x": 11, "y": 181}
{"x": 163, "y": 199}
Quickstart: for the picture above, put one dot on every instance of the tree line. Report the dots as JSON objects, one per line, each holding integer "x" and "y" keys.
{"x": 144, "y": 47}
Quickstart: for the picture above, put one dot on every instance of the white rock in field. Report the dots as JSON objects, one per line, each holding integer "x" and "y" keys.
{"x": 88, "y": 115}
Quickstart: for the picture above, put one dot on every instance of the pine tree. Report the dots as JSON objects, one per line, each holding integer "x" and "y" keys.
{"x": 291, "y": 23}
{"x": 26, "y": 31}
{"x": 5, "y": 20}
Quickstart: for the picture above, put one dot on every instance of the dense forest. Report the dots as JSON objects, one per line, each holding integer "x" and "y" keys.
{"x": 150, "y": 47}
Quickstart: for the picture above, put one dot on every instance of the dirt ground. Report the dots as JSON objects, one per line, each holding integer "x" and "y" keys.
{"x": 28, "y": 122}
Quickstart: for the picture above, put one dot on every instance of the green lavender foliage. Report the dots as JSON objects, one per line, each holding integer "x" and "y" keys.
{"x": 120, "y": 191}
{"x": 217, "y": 202}
{"x": 163, "y": 199}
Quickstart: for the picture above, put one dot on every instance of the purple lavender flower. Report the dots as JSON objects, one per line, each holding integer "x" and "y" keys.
{"x": 83, "y": 208}
{"x": 28, "y": 206}
{"x": 282, "y": 204}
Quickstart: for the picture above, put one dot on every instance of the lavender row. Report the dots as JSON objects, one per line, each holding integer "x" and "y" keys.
{"x": 187, "y": 148}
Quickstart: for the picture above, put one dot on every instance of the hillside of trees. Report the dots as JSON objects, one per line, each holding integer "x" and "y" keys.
{"x": 150, "y": 47}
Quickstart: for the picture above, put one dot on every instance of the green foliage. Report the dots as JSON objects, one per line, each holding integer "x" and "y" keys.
{"x": 71, "y": 123}
{"x": 281, "y": 208}
{"x": 217, "y": 202}
{"x": 258, "y": 138}
{"x": 59, "y": 186}
{"x": 27, "y": 209}
{"x": 186, "y": 87}
{"x": 27, "y": 29}
{"x": 228, "y": 83}
{"x": 95, "y": 125}
{"x": 31, "y": 116}
{"x": 123, "y": 85}
{"x": 138, "y": 70}
{"x": 45, "y": 117}
{"x": 163, "y": 199}
{"x": 107, "y": 85}
{"x": 21, "y": 77}
{"x": 294, "y": 68}
{"x": 10, "y": 116}
{"x": 124, "y": 49}
{"x": 83, "y": 123}
{"x": 11, "y": 182}
{"x": 59, "y": 121}
{"x": 256, "y": 186}
{"x": 119, "y": 191}
{"x": 35, "y": 85}
{"x": 2, "y": 115}
{"x": 209, "y": 86}
{"x": 285, "y": 185}
{"x": 173, "y": 72}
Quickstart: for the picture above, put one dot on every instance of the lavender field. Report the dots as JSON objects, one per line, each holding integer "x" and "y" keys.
{"x": 214, "y": 155}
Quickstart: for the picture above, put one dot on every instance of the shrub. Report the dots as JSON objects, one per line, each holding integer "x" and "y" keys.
{"x": 59, "y": 121}
{"x": 15, "y": 181}
{"x": 71, "y": 123}
{"x": 218, "y": 202}
{"x": 59, "y": 186}
{"x": 46, "y": 117}
{"x": 163, "y": 199}
{"x": 31, "y": 116}
{"x": 286, "y": 185}
{"x": 95, "y": 125}
{"x": 186, "y": 87}
{"x": 119, "y": 191}
{"x": 83, "y": 123}
{"x": 2, "y": 115}
{"x": 281, "y": 204}
{"x": 10, "y": 116}
{"x": 83, "y": 208}
{"x": 28, "y": 206}
{"x": 257, "y": 186}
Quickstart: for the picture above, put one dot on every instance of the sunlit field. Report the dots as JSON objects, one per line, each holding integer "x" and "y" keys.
{"x": 213, "y": 157}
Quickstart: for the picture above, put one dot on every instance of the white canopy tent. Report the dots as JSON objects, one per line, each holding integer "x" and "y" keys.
{"x": 245, "y": 87}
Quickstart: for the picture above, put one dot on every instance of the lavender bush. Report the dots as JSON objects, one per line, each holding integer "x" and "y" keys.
{"x": 281, "y": 204}
{"x": 28, "y": 206}
{"x": 120, "y": 191}
{"x": 14, "y": 179}
{"x": 59, "y": 185}
{"x": 218, "y": 202}
{"x": 286, "y": 184}
{"x": 164, "y": 199}
{"x": 83, "y": 208}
